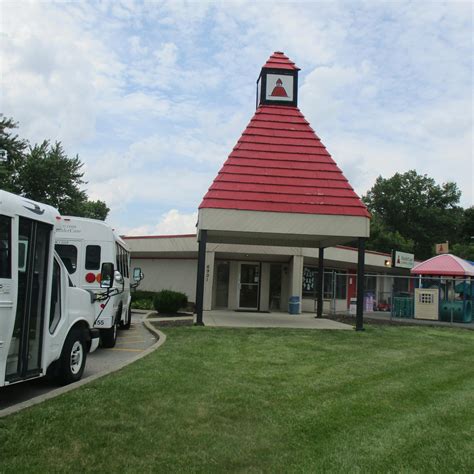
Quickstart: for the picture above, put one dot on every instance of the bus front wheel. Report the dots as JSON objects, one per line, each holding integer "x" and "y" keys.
{"x": 73, "y": 357}
{"x": 108, "y": 337}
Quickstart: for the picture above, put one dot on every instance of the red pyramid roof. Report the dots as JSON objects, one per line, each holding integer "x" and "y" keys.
{"x": 279, "y": 61}
{"x": 280, "y": 165}
{"x": 444, "y": 265}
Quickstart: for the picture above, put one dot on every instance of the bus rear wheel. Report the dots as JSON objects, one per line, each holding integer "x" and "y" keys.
{"x": 73, "y": 357}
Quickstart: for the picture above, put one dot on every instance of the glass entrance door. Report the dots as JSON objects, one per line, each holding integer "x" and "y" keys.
{"x": 222, "y": 285}
{"x": 24, "y": 355}
{"x": 249, "y": 285}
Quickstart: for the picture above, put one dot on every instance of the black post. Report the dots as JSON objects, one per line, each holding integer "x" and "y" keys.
{"x": 200, "y": 277}
{"x": 360, "y": 285}
{"x": 319, "y": 283}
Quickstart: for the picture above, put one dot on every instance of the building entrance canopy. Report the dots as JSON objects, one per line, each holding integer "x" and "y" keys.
{"x": 279, "y": 185}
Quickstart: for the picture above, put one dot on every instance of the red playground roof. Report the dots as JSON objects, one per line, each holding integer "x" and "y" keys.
{"x": 279, "y": 61}
{"x": 280, "y": 165}
{"x": 444, "y": 265}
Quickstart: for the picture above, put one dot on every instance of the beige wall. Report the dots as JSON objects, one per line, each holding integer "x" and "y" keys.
{"x": 168, "y": 274}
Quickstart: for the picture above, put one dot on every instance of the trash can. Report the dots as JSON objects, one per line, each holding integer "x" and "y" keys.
{"x": 294, "y": 305}
{"x": 353, "y": 306}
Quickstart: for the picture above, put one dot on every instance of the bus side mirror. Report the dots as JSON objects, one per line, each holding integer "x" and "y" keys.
{"x": 137, "y": 274}
{"x": 107, "y": 275}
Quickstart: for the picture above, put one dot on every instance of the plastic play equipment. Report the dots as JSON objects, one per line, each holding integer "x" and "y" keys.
{"x": 453, "y": 278}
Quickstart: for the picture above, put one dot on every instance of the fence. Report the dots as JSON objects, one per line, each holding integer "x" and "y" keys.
{"x": 438, "y": 298}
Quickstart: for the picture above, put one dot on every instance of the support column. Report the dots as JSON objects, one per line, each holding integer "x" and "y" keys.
{"x": 319, "y": 283}
{"x": 296, "y": 284}
{"x": 200, "y": 277}
{"x": 208, "y": 281}
{"x": 360, "y": 285}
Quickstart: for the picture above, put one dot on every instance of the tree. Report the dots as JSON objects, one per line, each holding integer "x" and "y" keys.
{"x": 468, "y": 225}
{"x": 16, "y": 149}
{"x": 420, "y": 210}
{"x": 383, "y": 239}
{"x": 46, "y": 174}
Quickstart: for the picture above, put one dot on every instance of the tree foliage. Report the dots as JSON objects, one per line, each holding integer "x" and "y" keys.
{"x": 16, "y": 149}
{"x": 414, "y": 208}
{"x": 46, "y": 174}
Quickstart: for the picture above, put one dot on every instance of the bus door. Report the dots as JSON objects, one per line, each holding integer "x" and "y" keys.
{"x": 24, "y": 355}
{"x": 7, "y": 289}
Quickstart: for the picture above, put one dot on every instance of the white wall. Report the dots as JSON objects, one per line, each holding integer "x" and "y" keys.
{"x": 168, "y": 274}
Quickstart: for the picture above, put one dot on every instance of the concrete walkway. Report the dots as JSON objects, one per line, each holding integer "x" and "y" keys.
{"x": 269, "y": 320}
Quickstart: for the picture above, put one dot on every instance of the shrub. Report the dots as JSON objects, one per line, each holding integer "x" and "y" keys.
{"x": 142, "y": 299}
{"x": 142, "y": 304}
{"x": 167, "y": 301}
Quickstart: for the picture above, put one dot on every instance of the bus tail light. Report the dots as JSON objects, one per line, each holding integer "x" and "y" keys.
{"x": 98, "y": 277}
{"x": 90, "y": 277}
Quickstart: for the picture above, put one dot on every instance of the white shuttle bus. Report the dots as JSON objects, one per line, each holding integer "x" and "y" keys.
{"x": 83, "y": 245}
{"x": 46, "y": 324}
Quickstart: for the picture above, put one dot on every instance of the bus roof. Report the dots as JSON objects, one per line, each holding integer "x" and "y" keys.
{"x": 13, "y": 205}
{"x": 72, "y": 227}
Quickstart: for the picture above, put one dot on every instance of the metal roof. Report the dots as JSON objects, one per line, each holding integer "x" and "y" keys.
{"x": 280, "y": 165}
{"x": 279, "y": 61}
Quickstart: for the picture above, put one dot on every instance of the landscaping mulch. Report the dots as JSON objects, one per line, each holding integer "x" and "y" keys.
{"x": 172, "y": 324}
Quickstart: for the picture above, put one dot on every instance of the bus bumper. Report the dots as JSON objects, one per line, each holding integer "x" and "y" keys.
{"x": 95, "y": 338}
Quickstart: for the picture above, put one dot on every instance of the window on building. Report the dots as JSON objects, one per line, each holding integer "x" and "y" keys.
{"x": 370, "y": 284}
{"x": 334, "y": 283}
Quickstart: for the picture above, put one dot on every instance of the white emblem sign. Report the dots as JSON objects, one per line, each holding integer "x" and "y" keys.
{"x": 279, "y": 87}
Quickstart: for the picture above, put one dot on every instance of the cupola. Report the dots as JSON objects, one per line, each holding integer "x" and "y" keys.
{"x": 278, "y": 82}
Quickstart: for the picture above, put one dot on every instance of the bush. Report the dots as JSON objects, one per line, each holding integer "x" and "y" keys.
{"x": 143, "y": 299}
{"x": 167, "y": 301}
{"x": 143, "y": 304}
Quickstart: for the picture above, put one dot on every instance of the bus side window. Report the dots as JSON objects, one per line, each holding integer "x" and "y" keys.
{"x": 127, "y": 264}
{"x": 5, "y": 247}
{"x": 119, "y": 263}
{"x": 93, "y": 257}
{"x": 68, "y": 254}
{"x": 55, "y": 310}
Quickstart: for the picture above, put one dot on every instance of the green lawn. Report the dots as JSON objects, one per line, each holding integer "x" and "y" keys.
{"x": 397, "y": 399}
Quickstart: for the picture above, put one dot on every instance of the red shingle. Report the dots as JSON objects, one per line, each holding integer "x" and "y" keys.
{"x": 280, "y": 61}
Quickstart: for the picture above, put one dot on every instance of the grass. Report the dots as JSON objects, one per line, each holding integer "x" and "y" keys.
{"x": 391, "y": 399}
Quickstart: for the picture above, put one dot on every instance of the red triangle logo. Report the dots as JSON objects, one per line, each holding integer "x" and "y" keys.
{"x": 279, "y": 90}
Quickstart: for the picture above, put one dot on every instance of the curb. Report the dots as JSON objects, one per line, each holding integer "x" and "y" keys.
{"x": 68, "y": 388}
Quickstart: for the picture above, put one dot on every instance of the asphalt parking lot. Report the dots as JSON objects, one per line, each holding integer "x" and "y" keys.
{"x": 129, "y": 344}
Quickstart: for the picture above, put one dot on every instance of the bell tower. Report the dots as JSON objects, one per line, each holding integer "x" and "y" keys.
{"x": 278, "y": 82}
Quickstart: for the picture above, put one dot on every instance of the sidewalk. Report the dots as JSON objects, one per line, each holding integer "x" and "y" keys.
{"x": 222, "y": 318}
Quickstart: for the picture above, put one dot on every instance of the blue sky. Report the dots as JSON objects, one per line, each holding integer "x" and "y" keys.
{"x": 154, "y": 95}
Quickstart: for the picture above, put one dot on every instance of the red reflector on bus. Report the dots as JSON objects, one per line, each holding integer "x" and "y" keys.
{"x": 90, "y": 278}
{"x": 102, "y": 305}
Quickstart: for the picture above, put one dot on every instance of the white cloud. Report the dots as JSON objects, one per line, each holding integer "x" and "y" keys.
{"x": 154, "y": 95}
{"x": 54, "y": 72}
{"x": 172, "y": 222}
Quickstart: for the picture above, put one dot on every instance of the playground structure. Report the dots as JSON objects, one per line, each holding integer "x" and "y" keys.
{"x": 443, "y": 290}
